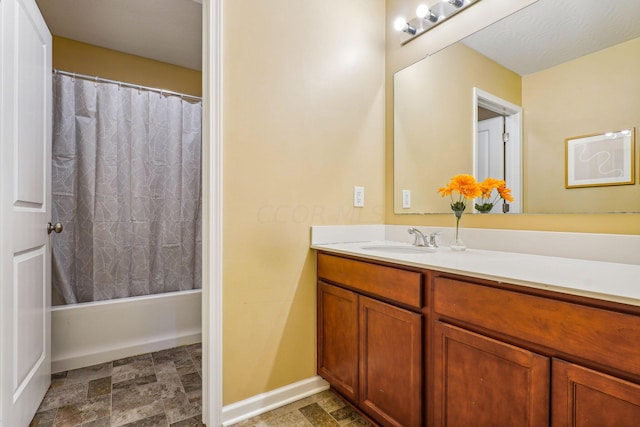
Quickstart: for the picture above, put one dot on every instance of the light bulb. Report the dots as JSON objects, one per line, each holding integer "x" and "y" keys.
{"x": 399, "y": 24}
{"x": 422, "y": 11}
{"x": 425, "y": 13}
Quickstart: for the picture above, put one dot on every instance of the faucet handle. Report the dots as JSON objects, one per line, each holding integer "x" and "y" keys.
{"x": 432, "y": 239}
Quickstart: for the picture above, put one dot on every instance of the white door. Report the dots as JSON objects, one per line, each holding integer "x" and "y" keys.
{"x": 490, "y": 148}
{"x": 25, "y": 199}
{"x": 500, "y": 160}
{"x": 490, "y": 151}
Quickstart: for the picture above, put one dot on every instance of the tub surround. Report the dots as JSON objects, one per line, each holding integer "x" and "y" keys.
{"x": 97, "y": 332}
{"x": 509, "y": 256}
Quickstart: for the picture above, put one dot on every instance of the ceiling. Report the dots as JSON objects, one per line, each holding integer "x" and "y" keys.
{"x": 550, "y": 32}
{"x": 164, "y": 30}
{"x": 547, "y": 33}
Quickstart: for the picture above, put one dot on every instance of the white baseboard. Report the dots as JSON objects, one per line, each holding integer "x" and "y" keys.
{"x": 265, "y": 402}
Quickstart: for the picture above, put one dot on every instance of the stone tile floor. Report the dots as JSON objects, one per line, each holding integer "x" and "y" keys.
{"x": 164, "y": 389}
{"x": 155, "y": 389}
{"x": 324, "y": 409}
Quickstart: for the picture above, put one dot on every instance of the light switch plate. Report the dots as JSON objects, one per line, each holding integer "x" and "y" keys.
{"x": 406, "y": 199}
{"x": 358, "y": 197}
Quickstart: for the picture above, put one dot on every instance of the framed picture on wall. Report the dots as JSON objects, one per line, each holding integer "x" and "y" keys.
{"x": 600, "y": 159}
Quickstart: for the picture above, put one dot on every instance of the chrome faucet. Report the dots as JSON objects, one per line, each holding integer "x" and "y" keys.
{"x": 421, "y": 240}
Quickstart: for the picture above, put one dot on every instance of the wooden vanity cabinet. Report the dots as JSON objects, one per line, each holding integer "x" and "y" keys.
{"x": 370, "y": 337}
{"x": 508, "y": 358}
{"x": 585, "y": 397}
{"x": 413, "y": 347}
{"x": 338, "y": 338}
{"x": 480, "y": 381}
{"x": 390, "y": 344}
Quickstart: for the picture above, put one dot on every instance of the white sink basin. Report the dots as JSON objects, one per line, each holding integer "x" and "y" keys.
{"x": 399, "y": 249}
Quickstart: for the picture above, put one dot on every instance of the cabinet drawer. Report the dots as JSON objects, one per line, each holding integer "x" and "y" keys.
{"x": 601, "y": 336}
{"x": 398, "y": 285}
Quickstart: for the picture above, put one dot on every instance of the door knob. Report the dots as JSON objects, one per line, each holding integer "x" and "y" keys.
{"x": 57, "y": 227}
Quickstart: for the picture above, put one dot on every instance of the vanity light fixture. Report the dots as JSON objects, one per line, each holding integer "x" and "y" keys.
{"x": 401, "y": 24}
{"x": 428, "y": 17}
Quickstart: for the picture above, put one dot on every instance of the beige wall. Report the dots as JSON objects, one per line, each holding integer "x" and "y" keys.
{"x": 73, "y": 56}
{"x": 558, "y": 107}
{"x": 399, "y": 57}
{"x": 303, "y": 122}
{"x": 432, "y": 140}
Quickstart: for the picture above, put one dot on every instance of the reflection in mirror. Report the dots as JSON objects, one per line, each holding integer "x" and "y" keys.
{"x": 601, "y": 159}
{"x": 497, "y": 145}
{"x": 571, "y": 65}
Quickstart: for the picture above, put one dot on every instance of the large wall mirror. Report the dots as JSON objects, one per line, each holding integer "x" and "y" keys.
{"x": 569, "y": 68}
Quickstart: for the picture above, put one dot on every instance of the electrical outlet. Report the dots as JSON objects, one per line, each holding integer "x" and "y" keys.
{"x": 406, "y": 199}
{"x": 358, "y": 197}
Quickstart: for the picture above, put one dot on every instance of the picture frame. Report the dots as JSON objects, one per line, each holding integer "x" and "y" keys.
{"x": 601, "y": 159}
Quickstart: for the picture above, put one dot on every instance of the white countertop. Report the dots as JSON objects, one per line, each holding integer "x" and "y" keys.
{"x": 608, "y": 281}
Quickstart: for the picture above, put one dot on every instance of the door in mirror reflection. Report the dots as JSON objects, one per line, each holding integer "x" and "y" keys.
{"x": 497, "y": 146}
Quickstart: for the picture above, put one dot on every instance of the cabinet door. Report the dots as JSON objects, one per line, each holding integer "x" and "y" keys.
{"x": 338, "y": 338}
{"x": 479, "y": 381}
{"x": 390, "y": 363}
{"x": 586, "y": 398}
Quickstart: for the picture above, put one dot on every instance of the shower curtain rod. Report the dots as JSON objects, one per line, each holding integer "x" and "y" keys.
{"x": 131, "y": 85}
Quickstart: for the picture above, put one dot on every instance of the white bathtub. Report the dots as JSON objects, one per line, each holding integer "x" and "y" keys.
{"x": 89, "y": 333}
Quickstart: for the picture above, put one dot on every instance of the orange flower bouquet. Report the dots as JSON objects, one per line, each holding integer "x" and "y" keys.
{"x": 466, "y": 187}
{"x": 488, "y": 198}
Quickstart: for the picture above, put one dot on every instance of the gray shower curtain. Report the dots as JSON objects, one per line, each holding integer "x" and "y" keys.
{"x": 126, "y": 186}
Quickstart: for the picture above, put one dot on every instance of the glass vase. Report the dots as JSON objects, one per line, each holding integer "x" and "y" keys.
{"x": 458, "y": 244}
